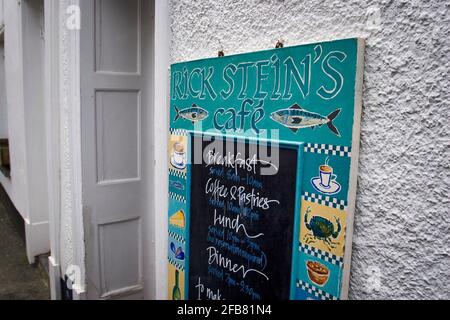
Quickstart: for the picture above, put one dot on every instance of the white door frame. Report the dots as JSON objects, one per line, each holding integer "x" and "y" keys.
{"x": 160, "y": 138}
{"x": 63, "y": 108}
{"x": 62, "y": 100}
{"x": 70, "y": 133}
{"x": 51, "y": 98}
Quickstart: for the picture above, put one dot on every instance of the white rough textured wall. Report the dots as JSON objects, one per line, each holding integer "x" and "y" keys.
{"x": 401, "y": 248}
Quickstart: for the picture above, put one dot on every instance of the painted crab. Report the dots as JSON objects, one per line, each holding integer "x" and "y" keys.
{"x": 322, "y": 229}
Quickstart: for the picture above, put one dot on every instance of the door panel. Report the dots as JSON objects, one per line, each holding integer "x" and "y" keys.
{"x": 113, "y": 92}
{"x": 118, "y": 120}
{"x": 116, "y": 274}
{"x": 117, "y": 26}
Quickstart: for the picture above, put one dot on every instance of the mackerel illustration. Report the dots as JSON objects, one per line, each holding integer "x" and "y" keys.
{"x": 296, "y": 118}
{"x": 192, "y": 114}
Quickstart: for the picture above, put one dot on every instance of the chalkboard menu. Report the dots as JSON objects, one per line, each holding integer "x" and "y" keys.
{"x": 235, "y": 232}
{"x": 241, "y": 222}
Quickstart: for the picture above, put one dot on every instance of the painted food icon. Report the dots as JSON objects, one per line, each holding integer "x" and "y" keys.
{"x": 176, "y": 184}
{"x": 317, "y": 272}
{"x": 326, "y": 181}
{"x": 179, "y": 253}
{"x": 178, "y": 219}
{"x": 178, "y": 159}
{"x": 321, "y": 229}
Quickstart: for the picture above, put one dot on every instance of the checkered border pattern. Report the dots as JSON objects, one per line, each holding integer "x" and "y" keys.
{"x": 177, "y": 173}
{"x": 326, "y": 256}
{"x": 177, "y": 197}
{"x": 328, "y": 149}
{"x": 320, "y": 294}
{"x": 177, "y": 237}
{"x": 178, "y": 132}
{"x": 325, "y": 200}
{"x": 176, "y": 264}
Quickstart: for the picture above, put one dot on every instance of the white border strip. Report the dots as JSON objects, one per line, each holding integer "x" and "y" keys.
{"x": 161, "y": 85}
{"x": 353, "y": 169}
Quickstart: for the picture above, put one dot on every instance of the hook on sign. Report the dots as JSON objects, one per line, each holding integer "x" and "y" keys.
{"x": 221, "y": 52}
{"x": 280, "y": 44}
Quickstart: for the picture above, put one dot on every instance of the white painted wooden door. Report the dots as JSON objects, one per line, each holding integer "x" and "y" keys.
{"x": 115, "y": 99}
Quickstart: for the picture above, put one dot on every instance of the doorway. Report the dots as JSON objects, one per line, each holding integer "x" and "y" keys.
{"x": 116, "y": 66}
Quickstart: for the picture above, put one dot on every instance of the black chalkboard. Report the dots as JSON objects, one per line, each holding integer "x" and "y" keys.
{"x": 241, "y": 249}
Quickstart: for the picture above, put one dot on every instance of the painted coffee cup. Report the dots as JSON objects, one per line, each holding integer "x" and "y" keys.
{"x": 326, "y": 176}
{"x": 178, "y": 153}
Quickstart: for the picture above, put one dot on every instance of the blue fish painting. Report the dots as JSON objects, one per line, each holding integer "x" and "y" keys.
{"x": 192, "y": 114}
{"x": 176, "y": 184}
{"x": 296, "y": 118}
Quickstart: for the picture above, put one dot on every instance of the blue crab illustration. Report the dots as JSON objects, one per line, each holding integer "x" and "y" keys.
{"x": 322, "y": 229}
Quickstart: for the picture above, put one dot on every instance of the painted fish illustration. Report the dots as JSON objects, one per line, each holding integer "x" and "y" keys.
{"x": 193, "y": 114}
{"x": 296, "y": 118}
{"x": 176, "y": 184}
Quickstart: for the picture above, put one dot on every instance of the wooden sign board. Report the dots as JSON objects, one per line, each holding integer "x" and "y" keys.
{"x": 263, "y": 157}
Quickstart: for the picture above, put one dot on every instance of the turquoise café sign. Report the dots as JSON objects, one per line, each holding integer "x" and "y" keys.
{"x": 238, "y": 214}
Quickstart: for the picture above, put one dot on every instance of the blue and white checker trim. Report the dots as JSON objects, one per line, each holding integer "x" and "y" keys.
{"x": 177, "y": 197}
{"x": 177, "y": 237}
{"x": 176, "y": 264}
{"x": 326, "y": 256}
{"x": 177, "y": 173}
{"x": 178, "y": 132}
{"x": 325, "y": 200}
{"x": 328, "y": 149}
{"x": 320, "y": 294}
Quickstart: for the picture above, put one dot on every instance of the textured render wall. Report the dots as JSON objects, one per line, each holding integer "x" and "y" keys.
{"x": 401, "y": 243}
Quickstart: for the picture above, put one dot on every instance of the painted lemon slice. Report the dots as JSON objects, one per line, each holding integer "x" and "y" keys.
{"x": 178, "y": 219}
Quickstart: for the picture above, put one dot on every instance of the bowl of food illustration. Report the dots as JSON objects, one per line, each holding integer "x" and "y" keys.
{"x": 317, "y": 273}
